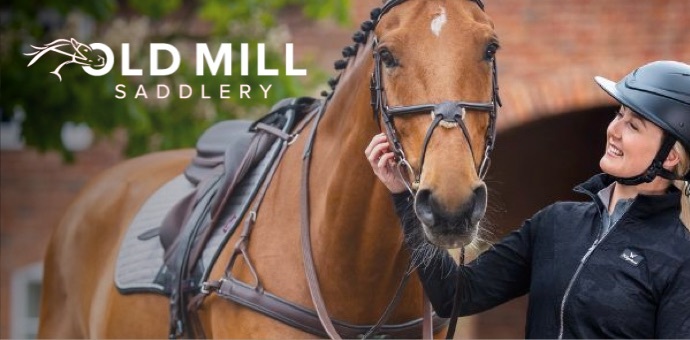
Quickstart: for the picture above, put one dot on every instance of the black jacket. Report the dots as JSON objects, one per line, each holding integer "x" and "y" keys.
{"x": 632, "y": 283}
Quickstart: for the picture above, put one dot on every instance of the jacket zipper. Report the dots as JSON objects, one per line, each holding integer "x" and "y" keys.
{"x": 589, "y": 252}
{"x": 570, "y": 286}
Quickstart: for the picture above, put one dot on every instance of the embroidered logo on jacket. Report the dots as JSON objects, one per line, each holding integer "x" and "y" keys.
{"x": 631, "y": 257}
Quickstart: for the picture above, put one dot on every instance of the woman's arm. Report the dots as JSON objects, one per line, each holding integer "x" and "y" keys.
{"x": 496, "y": 276}
{"x": 673, "y": 313}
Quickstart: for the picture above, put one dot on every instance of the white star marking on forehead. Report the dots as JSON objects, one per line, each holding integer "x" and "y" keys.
{"x": 438, "y": 22}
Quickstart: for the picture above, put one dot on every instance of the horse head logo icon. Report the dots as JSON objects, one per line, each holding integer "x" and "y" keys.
{"x": 81, "y": 54}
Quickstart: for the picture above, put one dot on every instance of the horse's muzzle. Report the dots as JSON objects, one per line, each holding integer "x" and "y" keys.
{"x": 451, "y": 228}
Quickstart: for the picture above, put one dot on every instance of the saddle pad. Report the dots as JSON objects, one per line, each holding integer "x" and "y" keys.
{"x": 140, "y": 261}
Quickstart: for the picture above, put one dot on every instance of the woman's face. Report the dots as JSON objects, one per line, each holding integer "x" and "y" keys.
{"x": 631, "y": 144}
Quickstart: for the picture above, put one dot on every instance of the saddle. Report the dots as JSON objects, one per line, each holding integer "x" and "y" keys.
{"x": 225, "y": 153}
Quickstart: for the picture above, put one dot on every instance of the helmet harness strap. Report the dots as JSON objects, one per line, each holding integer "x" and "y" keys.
{"x": 656, "y": 168}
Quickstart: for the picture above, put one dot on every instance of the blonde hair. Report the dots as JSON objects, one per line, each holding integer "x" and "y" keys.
{"x": 680, "y": 170}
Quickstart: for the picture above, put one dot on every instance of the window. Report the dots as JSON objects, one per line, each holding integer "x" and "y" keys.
{"x": 26, "y": 298}
{"x": 11, "y": 130}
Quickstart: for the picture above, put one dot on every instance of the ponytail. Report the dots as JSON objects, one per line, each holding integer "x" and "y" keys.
{"x": 684, "y": 187}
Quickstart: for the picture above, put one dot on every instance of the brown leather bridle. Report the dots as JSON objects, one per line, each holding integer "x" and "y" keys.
{"x": 448, "y": 111}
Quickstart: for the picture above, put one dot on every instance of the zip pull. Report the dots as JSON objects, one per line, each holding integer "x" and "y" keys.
{"x": 589, "y": 251}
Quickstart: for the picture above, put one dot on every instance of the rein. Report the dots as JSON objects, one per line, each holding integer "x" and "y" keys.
{"x": 312, "y": 278}
{"x": 457, "y": 297}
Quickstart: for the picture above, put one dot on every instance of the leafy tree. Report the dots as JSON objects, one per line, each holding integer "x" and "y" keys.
{"x": 151, "y": 124}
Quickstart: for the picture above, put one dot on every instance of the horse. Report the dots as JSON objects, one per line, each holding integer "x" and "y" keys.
{"x": 431, "y": 86}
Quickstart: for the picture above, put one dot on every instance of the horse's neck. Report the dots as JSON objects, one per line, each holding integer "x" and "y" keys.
{"x": 352, "y": 211}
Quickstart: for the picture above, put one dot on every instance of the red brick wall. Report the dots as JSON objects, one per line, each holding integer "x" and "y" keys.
{"x": 35, "y": 190}
{"x": 550, "y": 50}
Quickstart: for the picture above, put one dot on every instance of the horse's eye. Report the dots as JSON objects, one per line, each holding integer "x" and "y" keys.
{"x": 491, "y": 51}
{"x": 387, "y": 58}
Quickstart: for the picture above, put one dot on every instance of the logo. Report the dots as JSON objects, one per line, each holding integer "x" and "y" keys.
{"x": 631, "y": 257}
{"x": 80, "y": 54}
{"x": 98, "y": 59}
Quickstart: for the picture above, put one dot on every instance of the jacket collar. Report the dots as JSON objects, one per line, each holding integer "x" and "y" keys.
{"x": 643, "y": 206}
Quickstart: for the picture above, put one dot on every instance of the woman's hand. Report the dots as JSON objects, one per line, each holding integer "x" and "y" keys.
{"x": 381, "y": 159}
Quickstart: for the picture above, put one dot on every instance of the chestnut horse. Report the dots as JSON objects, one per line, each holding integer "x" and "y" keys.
{"x": 435, "y": 53}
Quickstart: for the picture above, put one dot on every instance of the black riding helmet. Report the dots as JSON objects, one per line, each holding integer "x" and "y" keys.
{"x": 659, "y": 92}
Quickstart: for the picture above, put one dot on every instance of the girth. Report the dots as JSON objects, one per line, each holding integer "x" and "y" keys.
{"x": 307, "y": 320}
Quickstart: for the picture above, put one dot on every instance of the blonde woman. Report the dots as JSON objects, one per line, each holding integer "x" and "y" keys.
{"x": 616, "y": 266}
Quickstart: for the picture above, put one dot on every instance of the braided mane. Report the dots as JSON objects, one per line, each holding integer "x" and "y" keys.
{"x": 360, "y": 38}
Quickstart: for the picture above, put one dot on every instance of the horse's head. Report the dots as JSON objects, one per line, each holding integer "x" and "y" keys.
{"x": 437, "y": 99}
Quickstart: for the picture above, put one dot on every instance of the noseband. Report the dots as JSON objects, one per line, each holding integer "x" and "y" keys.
{"x": 452, "y": 112}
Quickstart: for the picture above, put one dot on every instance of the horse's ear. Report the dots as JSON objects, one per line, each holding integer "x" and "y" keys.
{"x": 74, "y": 42}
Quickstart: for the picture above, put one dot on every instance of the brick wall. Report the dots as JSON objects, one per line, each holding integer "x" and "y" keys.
{"x": 550, "y": 50}
{"x": 35, "y": 191}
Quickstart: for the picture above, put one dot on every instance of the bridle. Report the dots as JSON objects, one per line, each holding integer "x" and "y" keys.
{"x": 449, "y": 111}
{"x": 452, "y": 112}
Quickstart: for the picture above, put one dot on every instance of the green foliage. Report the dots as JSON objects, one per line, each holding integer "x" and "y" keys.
{"x": 223, "y": 12}
{"x": 151, "y": 124}
{"x": 155, "y": 8}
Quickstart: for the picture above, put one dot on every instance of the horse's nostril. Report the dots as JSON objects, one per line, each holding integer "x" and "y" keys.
{"x": 465, "y": 216}
{"x": 480, "y": 192}
{"x": 423, "y": 207}
{"x": 479, "y": 203}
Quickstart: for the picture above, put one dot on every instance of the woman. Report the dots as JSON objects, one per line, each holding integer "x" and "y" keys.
{"x": 617, "y": 266}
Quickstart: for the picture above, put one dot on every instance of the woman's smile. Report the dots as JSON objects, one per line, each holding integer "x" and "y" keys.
{"x": 613, "y": 151}
{"x": 631, "y": 144}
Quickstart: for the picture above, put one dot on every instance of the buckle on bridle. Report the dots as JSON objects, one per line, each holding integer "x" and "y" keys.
{"x": 374, "y": 98}
{"x": 484, "y": 167}
{"x": 413, "y": 186}
{"x": 208, "y": 287}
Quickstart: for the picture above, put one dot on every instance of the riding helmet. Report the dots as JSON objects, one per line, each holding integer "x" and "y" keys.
{"x": 660, "y": 92}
